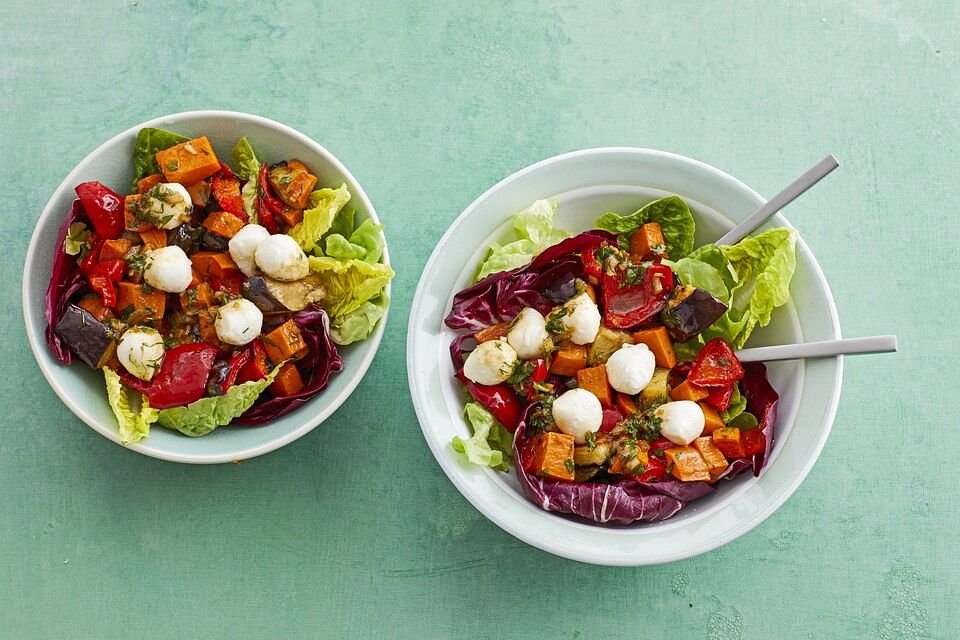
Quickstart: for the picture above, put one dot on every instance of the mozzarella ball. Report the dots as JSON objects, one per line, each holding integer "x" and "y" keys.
{"x": 582, "y": 319}
{"x": 238, "y": 322}
{"x": 140, "y": 351}
{"x": 281, "y": 258}
{"x": 681, "y": 421}
{"x": 491, "y": 362}
{"x": 167, "y": 205}
{"x": 528, "y": 336}
{"x": 578, "y": 412}
{"x": 243, "y": 247}
{"x": 630, "y": 368}
{"x": 168, "y": 269}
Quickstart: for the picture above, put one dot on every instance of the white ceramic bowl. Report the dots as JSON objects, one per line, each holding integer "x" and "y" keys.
{"x": 82, "y": 389}
{"x": 589, "y": 183}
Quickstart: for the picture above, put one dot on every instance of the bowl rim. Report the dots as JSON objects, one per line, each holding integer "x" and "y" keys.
{"x": 331, "y": 404}
{"x": 552, "y": 546}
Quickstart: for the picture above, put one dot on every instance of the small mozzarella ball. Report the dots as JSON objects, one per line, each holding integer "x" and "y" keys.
{"x": 528, "y": 336}
{"x": 243, "y": 247}
{"x": 582, "y": 319}
{"x": 681, "y": 421}
{"x": 140, "y": 351}
{"x": 238, "y": 322}
{"x": 630, "y": 368}
{"x": 281, "y": 258}
{"x": 578, "y": 412}
{"x": 167, "y": 205}
{"x": 491, "y": 362}
{"x": 168, "y": 269}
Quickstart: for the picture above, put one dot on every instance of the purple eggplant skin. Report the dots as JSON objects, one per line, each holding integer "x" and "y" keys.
{"x": 214, "y": 242}
{"x": 689, "y": 312}
{"x": 186, "y": 237}
{"x": 91, "y": 340}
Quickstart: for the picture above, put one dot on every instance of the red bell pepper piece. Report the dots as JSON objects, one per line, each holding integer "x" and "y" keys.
{"x": 715, "y": 365}
{"x": 227, "y": 192}
{"x": 182, "y": 378}
{"x": 103, "y": 206}
{"x": 273, "y": 203}
{"x": 256, "y": 367}
{"x": 658, "y": 446}
{"x": 231, "y": 284}
{"x": 753, "y": 442}
{"x": 265, "y": 217}
{"x": 591, "y": 265}
{"x": 236, "y": 363}
{"x": 89, "y": 261}
{"x": 540, "y": 373}
{"x": 498, "y": 399}
{"x": 103, "y": 277}
{"x": 719, "y": 397}
{"x": 610, "y": 419}
{"x": 628, "y": 305}
{"x": 226, "y": 172}
{"x": 527, "y": 454}
{"x": 655, "y": 471}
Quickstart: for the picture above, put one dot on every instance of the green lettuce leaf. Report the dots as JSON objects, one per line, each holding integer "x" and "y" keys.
{"x": 246, "y": 166}
{"x": 671, "y": 212}
{"x": 490, "y": 445}
{"x": 132, "y": 427}
{"x": 702, "y": 275}
{"x": 349, "y": 283}
{"x": 149, "y": 141}
{"x": 77, "y": 241}
{"x": 738, "y": 404}
{"x": 368, "y": 235}
{"x": 206, "y": 414}
{"x": 359, "y": 323}
{"x": 535, "y": 231}
{"x": 340, "y": 247}
{"x": 343, "y": 222}
{"x": 317, "y": 220}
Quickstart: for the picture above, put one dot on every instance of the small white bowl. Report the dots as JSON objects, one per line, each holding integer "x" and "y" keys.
{"x": 82, "y": 388}
{"x": 589, "y": 183}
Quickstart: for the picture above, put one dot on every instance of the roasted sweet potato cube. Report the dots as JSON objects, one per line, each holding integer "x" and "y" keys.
{"x": 727, "y": 440}
{"x": 285, "y": 343}
{"x": 648, "y": 242}
{"x": 144, "y": 184}
{"x": 658, "y": 340}
{"x": 293, "y": 183}
{"x": 688, "y": 391}
{"x": 553, "y": 456}
{"x": 287, "y": 382}
{"x": 626, "y": 404}
{"x": 218, "y": 265}
{"x": 153, "y": 238}
{"x": 115, "y": 249}
{"x": 688, "y": 465}
{"x": 493, "y": 332}
{"x": 189, "y": 161}
{"x": 595, "y": 381}
{"x": 208, "y": 330}
{"x": 568, "y": 360}
{"x": 93, "y": 304}
{"x": 199, "y": 193}
{"x": 291, "y": 217}
{"x": 196, "y": 298}
{"x": 137, "y": 303}
{"x": 712, "y": 456}
{"x": 711, "y": 419}
{"x": 130, "y": 222}
{"x": 225, "y": 225}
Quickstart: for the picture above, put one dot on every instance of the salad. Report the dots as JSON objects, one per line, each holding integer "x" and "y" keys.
{"x": 601, "y": 367}
{"x": 213, "y": 293}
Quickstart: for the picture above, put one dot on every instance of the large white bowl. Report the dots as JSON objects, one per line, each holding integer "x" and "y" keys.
{"x": 82, "y": 389}
{"x": 589, "y": 183}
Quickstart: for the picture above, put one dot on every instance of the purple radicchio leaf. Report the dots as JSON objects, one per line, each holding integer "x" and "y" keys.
{"x": 66, "y": 280}
{"x": 762, "y": 402}
{"x": 321, "y": 361}
{"x": 541, "y": 284}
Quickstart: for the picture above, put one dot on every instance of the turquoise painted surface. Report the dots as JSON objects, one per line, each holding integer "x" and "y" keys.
{"x": 353, "y": 531}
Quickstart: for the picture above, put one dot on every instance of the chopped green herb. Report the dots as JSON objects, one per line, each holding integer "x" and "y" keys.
{"x": 173, "y": 166}
{"x": 569, "y": 464}
{"x": 521, "y": 372}
{"x": 555, "y": 321}
{"x": 591, "y": 438}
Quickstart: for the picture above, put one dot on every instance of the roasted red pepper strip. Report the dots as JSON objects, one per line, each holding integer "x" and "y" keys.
{"x": 103, "y": 206}
{"x": 752, "y": 442}
{"x": 629, "y": 305}
{"x": 591, "y": 265}
{"x": 265, "y": 217}
{"x": 540, "y": 373}
{"x": 227, "y": 193}
{"x": 498, "y": 399}
{"x": 89, "y": 261}
{"x": 230, "y": 284}
{"x": 226, "y": 172}
{"x": 237, "y": 362}
{"x": 102, "y": 278}
{"x": 719, "y": 397}
{"x": 715, "y": 365}
{"x": 658, "y": 446}
{"x": 263, "y": 189}
{"x": 256, "y": 367}
{"x": 653, "y": 472}
{"x": 610, "y": 419}
{"x": 182, "y": 378}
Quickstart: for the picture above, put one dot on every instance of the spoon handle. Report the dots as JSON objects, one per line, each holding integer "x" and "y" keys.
{"x": 825, "y": 349}
{"x": 794, "y": 190}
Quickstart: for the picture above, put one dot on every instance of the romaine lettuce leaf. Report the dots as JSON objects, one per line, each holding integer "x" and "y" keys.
{"x": 132, "y": 427}
{"x": 343, "y": 222}
{"x": 340, "y": 247}
{"x": 246, "y": 166}
{"x": 77, "y": 241}
{"x": 324, "y": 206}
{"x": 206, "y": 414}
{"x": 369, "y": 236}
{"x": 738, "y": 404}
{"x": 349, "y": 283}
{"x": 359, "y": 323}
{"x": 490, "y": 445}
{"x": 671, "y": 212}
{"x": 149, "y": 141}
{"x": 535, "y": 232}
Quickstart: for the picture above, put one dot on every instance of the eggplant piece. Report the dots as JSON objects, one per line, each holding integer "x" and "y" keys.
{"x": 186, "y": 237}
{"x": 218, "y": 375}
{"x": 689, "y": 312}
{"x": 273, "y": 296}
{"x": 91, "y": 340}
{"x": 606, "y": 344}
{"x": 214, "y": 242}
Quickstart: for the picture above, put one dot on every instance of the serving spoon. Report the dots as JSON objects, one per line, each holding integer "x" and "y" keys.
{"x": 824, "y": 349}
{"x": 791, "y": 192}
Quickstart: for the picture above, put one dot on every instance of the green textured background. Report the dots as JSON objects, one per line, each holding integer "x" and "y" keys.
{"x": 354, "y": 530}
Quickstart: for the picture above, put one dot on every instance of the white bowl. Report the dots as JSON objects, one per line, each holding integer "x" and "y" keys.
{"x": 82, "y": 388}
{"x": 589, "y": 183}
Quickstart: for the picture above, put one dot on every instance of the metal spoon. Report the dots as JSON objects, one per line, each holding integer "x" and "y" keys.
{"x": 824, "y": 349}
{"x": 794, "y": 190}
